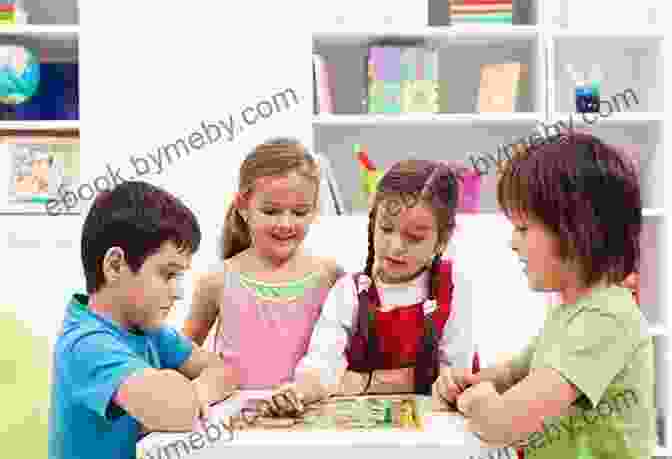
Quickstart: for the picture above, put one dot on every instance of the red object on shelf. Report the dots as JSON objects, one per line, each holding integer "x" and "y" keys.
{"x": 365, "y": 161}
{"x": 482, "y": 2}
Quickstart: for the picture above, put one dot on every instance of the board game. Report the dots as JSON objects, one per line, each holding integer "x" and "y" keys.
{"x": 405, "y": 412}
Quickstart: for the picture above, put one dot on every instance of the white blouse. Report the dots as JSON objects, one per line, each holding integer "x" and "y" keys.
{"x": 337, "y": 322}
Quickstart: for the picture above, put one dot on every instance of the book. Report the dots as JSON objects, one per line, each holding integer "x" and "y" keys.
{"x": 323, "y": 84}
{"x": 501, "y": 87}
{"x": 481, "y": 9}
{"x": 39, "y": 166}
{"x": 420, "y": 83}
{"x": 384, "y": 79}
{"x": 499, "y": 18}
{"x": 479, "y": 2}
{"x": 438, "y": 12}
{"x": 331, "y": 200}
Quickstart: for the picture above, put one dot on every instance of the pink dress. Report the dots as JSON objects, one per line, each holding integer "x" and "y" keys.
{"x": 267, "y": 336}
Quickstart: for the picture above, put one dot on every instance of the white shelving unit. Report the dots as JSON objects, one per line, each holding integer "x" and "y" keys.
{"x": 631, "y": 57}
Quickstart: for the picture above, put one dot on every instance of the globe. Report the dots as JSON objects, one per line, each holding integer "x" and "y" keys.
{"x": 19, "y": 74}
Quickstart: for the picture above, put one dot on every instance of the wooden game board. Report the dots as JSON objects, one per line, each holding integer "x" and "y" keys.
{"x": 404, "y": 412}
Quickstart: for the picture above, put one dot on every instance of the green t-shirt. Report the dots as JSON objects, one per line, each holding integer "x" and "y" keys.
{"x": 602, "y": 346}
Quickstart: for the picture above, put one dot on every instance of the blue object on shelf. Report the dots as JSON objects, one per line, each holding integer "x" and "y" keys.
{"x": 587, "y": 99}
{"x": 56, "y": 98}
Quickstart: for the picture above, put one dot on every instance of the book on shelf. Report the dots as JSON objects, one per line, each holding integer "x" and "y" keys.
{"x": 502, "y": 86}
{"x": 438, "y": 12}
{"x": 7, "y": 12}
{"x": 331, "y": 200}
{"x": 420, "y": 81}
{"x": 323, "y": 94}
{"x": 402, "y": 79}
{"x": 454, "y": 12}
{"x": 39, "y": 166}
{"x": 384, "y": 70}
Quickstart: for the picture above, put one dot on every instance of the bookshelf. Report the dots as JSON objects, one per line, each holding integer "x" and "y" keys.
{"x": 53, "y": 33}
{"x": 546, "y": 35}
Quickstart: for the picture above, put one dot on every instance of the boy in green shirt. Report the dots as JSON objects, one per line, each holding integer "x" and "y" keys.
{"x": 582, "y": 388}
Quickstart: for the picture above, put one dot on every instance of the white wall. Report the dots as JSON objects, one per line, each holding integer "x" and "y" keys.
{"x": 172, "y": 75}
{"x": 45, "y": 269}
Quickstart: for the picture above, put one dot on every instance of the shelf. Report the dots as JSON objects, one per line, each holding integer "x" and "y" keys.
{"x": 40, "y": 31}
{"x": 616, "y": 118}
{"x": 56, "y": 43}
{"x": 653, "y": 213}
{"x": 662, "y": 452}
{"x": 658, "y": 330}
{"x": 650, "y": 33}
{"x": 427, "y": 119}
{"x": 39, "y": 125}
{"x": 437, "y": 35}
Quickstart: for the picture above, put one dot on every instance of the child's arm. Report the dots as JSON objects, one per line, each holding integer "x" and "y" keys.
{"x": 160, "y": 400}
{"x": 202, "y": 378}
{"x": 109, "y": 379}
{"x": 507, "y": 374}
{"x": 216, "y": 377}
{"x": 319, "y": 373}
{"x": 595, "y": 347}
{"x": 456, "y": 346}
{"x": 204, "y": 308}
{"x": 511, "y": 417}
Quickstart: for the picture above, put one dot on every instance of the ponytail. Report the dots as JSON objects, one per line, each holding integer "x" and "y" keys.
{"x": 235, "y": 234}
{"x": 368, "y": 269}
{"x": 434, "y": 278}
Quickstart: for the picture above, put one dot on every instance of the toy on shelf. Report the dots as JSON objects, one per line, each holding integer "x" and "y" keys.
{"x": 586, "y": 89}
{"x": 370, "y": 175}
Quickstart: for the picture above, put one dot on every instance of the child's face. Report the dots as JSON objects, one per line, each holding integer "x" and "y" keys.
{"x": 152, "y": 291}
{"x": 404, "y": 243}
{"x": 536, "y": 248}
{"x": 279, "y": 213}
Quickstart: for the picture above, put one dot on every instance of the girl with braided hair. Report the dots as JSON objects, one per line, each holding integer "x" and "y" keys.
{"x": 396, "y": 326}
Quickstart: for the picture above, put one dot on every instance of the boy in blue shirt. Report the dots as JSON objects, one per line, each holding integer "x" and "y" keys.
{"x": 118, "y": 370}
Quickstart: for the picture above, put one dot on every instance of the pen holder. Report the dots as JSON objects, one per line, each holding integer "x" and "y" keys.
{"x": 587, "y": 99}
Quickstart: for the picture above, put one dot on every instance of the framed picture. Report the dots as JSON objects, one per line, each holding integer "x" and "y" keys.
{"x": 38, "y": 166}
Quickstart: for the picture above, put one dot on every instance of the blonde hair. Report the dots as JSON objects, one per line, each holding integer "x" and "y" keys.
{"x": 274, "y": 158}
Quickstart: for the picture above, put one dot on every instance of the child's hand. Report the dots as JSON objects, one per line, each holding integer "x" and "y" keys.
{"x": 286, "y": 400}
{"x": 474, "y": 400}
{"x": 449, "y": 386}
{"x": 201, "y": 389}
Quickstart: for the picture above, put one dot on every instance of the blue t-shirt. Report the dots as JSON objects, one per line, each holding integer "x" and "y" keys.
{"x": 92, "y": 358}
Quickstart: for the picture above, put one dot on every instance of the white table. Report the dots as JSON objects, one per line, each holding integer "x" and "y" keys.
{"x": 444, "y": 436}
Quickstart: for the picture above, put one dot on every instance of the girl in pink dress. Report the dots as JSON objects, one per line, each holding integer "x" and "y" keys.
{"x": 267, "y": 292}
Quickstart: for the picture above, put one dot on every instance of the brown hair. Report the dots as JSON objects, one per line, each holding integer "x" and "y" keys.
{"x": 587, "y": 193}
{"x": 407, "y": 183}
{"x": 273, "y": 158}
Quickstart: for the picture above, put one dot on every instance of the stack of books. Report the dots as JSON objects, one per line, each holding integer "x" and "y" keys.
{"x": 481, "y": 12}
{"x": 7, "y": 12}
{"x": 402, "y": 79}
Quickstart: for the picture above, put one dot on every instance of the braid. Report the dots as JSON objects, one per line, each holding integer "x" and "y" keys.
{"x": 368, "y": 270}
{"x": 434, "y": 278}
